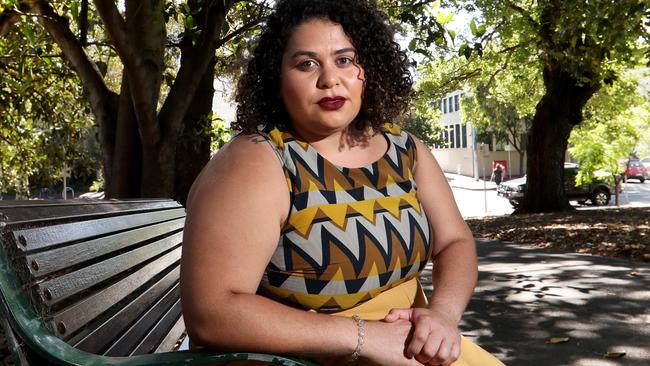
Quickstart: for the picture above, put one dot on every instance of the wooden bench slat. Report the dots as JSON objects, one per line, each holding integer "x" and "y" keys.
{"x": 138, "y": 331}
{"x": 44, "y": 263}
{"x": 97, "y": 341}
{"x": 36, "y": 238}
{"x": 32, "y": 212}
{"x": 60, "y": 288}
{"x": 169, "y": 343}
{"x": 75, "y": 316}
{"x": 157, "y": 334}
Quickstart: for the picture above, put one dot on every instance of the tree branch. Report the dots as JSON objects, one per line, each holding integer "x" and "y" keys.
{"x": 7, "y": 19}
{"x": 194, "y": 63}
{"x": 83, "y": 23}
{"x": 133, "y": 68}
{"x": 17, "y": 57}
{"x": 116, "y": 28}
{"x": 523, "y": 13}
{"x": 101, "y": 99}
{"x": 244, "y": 28}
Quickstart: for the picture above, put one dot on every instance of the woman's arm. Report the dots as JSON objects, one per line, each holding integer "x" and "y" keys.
{"x": 235, "y": 211}
{"x": 436, "y": 339}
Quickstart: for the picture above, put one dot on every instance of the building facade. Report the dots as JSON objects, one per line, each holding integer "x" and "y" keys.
{"x": 462, "y": 154}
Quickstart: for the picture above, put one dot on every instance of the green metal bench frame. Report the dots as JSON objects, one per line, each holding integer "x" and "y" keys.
{"x": 30, "y": 339}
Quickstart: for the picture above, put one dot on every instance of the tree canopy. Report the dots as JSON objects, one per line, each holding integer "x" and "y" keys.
{"x": 44, "y": 123}
{"x": 573, "y": 48}
{"x": 145, "y": 70}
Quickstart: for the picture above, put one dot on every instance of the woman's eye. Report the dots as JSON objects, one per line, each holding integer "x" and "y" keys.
{"x": 307, "y": 65}
{"x": 345, "y": 60}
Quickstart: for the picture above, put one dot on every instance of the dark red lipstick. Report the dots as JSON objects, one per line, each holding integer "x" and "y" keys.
{"x": 331, "y": 103}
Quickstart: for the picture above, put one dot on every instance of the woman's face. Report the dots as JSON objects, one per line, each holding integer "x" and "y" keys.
{"x": 320, "y": 83}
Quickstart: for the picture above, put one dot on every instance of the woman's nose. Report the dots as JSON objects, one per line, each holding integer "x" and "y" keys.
{"x": 328, "y": 77}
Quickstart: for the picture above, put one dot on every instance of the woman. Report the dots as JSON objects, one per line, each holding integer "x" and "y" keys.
{"x": 311, "y": 216}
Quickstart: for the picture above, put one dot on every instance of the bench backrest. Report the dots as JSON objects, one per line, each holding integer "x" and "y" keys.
{"x": 103, "y": 276}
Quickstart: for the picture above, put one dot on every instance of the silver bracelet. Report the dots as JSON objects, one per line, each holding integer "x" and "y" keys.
{"x": 361, "y": 330}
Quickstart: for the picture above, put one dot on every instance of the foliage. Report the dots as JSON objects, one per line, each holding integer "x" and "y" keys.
{"x": 615, "y": 117}
{"x": 578, "y": 47}
{"x": 427, "y": 130}
{"x": 220, "y": 134}
{"x": 502, "y": 99}
{"x": 43, "y": 124}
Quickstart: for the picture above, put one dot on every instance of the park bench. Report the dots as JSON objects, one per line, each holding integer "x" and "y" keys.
{"x": 97, "y": 283}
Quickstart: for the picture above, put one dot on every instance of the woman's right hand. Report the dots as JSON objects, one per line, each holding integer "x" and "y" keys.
{"x": 385, "y": 343}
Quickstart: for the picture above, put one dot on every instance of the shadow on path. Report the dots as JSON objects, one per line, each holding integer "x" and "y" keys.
{"x": 527, "y": 295}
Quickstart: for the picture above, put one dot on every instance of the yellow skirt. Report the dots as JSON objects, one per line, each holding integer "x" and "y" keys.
{"x": 406, "y": 295}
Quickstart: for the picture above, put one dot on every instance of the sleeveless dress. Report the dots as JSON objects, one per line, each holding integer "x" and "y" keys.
{"x": 351, "y": 233}
{"x": 356, "y": 239}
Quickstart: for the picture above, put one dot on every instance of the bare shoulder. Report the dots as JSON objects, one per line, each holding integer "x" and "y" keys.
{"x": 246, "y": 166}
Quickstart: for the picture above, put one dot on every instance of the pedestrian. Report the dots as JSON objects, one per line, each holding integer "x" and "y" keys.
{"x": 497, "y": 172}
{"x": 305, "y": 234}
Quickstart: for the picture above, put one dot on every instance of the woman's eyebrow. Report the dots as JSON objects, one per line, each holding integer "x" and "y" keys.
{"x": 314, "y": 54}
{"x": 303, "y": 53}
{"x": 345, "y": 50}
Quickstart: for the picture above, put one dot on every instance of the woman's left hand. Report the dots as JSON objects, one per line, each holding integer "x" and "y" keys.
{"x": 435, "y": 337}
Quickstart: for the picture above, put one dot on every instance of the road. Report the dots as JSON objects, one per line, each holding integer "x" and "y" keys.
{"x": 472, "y": 202}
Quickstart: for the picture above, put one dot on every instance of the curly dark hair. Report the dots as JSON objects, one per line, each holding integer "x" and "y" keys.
{"x": 388, "y": 82}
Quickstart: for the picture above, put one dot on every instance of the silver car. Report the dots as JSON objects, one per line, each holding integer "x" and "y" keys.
{"x": 599, "y": 191}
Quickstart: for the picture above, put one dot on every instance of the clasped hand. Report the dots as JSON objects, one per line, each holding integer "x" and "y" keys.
{"x": 434, "y": 337}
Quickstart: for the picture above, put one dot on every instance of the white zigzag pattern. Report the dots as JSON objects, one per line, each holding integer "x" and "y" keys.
{"x": 392, "y": 154}
{"x": 399, "y": 140}
{"x": 313, "y": 247}
{"x": 315, "y": 198}
{"x": 309, "y": 156}
{"x": 395, "y": 190}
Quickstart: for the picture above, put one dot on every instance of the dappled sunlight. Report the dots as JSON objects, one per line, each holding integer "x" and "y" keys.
{"x": 525, "y": 296}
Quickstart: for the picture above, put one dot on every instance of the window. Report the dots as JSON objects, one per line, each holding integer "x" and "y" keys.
{"x": 451, "y": 104}
{"x": 464, "y": 135}
{"x": 452, "y": 140}
{"x": 444, "y": 105}
{"x": 445, "y": 138}
{"x": 456, "y": 105}
{"x": 457, "y": 127}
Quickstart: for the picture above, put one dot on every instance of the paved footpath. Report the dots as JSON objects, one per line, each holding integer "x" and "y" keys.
{"x": 527, "y": 295}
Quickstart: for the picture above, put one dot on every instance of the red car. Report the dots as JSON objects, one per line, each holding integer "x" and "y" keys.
{"x": 636, "y": 170}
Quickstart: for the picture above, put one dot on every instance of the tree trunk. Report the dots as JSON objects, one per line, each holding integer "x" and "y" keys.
{"x": 126, "y": 167}
{"x": 193, "y": 147}
{"x": 559, "y": 110}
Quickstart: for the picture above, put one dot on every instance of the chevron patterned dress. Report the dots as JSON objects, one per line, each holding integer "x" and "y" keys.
{"x": 351, "y": 233}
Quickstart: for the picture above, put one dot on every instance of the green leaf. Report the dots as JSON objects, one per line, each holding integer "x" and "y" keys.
{"x": 189, "y": 22}
{"x": 103, "y": 67}
{"x": 473, "y": 28}
{"x": 27, "y": 30}
{"x": 413, "y": 44}
{"x": 443, "y": 18}
{"x": 74, "y": 9}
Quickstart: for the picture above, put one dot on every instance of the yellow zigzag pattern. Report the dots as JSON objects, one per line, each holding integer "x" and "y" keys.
{"x": 337, "y": 212}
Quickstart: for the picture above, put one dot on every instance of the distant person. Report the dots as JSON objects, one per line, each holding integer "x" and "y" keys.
{"x": 497, "y": 173}
{"x": 306, "y": 234}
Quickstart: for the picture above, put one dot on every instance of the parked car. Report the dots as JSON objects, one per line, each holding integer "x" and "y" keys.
{"x": 646, "y": 162}
{"x": 599, "y": 191}
{"x": 636, "y": 170}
